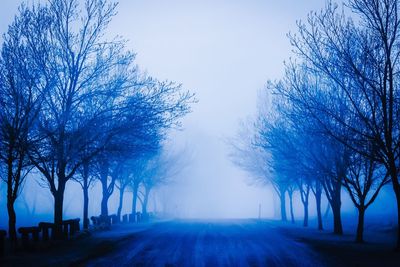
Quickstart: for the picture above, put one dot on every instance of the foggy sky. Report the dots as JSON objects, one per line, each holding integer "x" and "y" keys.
{"x": 224, "y": 51}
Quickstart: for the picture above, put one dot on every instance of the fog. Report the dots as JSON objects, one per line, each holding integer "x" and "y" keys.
{"x": 224, "y": 51}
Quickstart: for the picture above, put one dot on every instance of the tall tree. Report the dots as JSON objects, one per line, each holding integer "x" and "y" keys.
{"x": 359, "y": 59}
{"x": 21, "y": 94}
{"x": 77, "y": 58}
{"x": 363, "y": 182}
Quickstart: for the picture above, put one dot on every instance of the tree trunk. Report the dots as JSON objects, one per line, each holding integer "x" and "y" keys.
{"x": 396, "y": 188}
{"x": 276, "y": 209}
{"x": 104, "y": 205}
{"x": 283, "y": 205}
{"x": 318, "y": 194}
{"x": 336, "y": 203}
{"x": 121, "y": 201}
{"x": 12, "y": 190}
{"x": 85, "y": 206}
{"x": 304, "y": 194}
{"x": 337, "y": 221}
{"x": 85, "y": 189}
{"x": 104, "y": 186}
{"x": 145, "y": 202}
{"x": 58, "y": 211}
{"x": 134, "y": 199}
{"x": 360, "y": 226}
{"x": 328, "y": 208}
{"x": 12, "y": 220}
{"x": 305, "y": 221}
{"x": 291, "y": 206}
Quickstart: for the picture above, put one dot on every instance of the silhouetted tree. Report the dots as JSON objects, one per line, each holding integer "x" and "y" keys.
{"x": 86, "y": 179}
{"x": 123, "y": 182}
{"x": 359, "y": 59}
{"x": 363, "y": 182}
{"x": 21, "y": 94}
{"x": 79, "y": 62}
{"x": 291, "y": 190}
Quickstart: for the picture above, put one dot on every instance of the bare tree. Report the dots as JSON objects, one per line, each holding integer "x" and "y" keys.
{"x": 360, "y": 59}
{"x": 160, "y": 170}
{"x": 291, "y": 189}
{"x": 249, "y": 154}
{"x": 21, "y": 95}
{"x": 364, "y": 180}
{"x": 86, "y": 180}
{"x": 76, "y": 60}
{"x": 316, "y": 188}
{"x": 331, "y": 160}
{"x": 123, "y": 183}
{"x": 278, "y": 135}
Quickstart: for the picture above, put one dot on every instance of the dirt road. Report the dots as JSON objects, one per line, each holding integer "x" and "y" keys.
{"x": 209, "y": 243}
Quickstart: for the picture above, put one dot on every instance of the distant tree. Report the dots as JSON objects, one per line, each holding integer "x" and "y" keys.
{"x": 303, "y": 88}
{"x": 331, "y": 161}
{"x": 109, "y": 114}
{"x": 147, "y": 116}
{"x": 30, "y": 206}
{"x": 270, "y": 137}
{"x": 252, "y": 155}
{"x": 122, "y": 184}
{"x": 86, "y": 179}
{"x": 138, "y": 167}
{"x": 160, "y": 170}
{"x": 308, "y": 167}
{"x": 278, "y": 136}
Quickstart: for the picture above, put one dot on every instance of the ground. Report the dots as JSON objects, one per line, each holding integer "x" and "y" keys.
{"x": 209, "y": 243}
{"x": 203, "y": 243}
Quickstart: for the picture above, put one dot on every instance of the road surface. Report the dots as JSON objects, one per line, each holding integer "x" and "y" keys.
{"x": 208, "y": 243}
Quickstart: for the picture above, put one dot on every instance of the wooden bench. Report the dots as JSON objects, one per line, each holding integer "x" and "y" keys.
{"x": 138, "y": 216}
{"x": 114, "y": 219}
{"x": 101, "y": 221}
{"x": 132, "y": 218}
{"x": 26, "y": 232}
{"x": 70, "y": 227}
{"x": 125, "y": 218}
{"x": 45, "y": 227}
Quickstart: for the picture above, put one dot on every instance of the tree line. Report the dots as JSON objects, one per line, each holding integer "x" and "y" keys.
{"x": 74, "y": 106}
{"x": 332, "y": 121}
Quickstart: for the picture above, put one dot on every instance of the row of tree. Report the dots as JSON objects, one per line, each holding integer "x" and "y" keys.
{"x": 334, "y": 117}
{"x": 74, "y": 106}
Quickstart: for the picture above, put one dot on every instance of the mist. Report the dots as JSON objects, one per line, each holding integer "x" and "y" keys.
{"x": 224, "y": 51}
{"x": 225, "y": 67}
{"x": 202, "y": 117}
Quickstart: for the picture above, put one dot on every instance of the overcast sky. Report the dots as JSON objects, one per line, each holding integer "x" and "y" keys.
{"x": 224, "y": 51}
